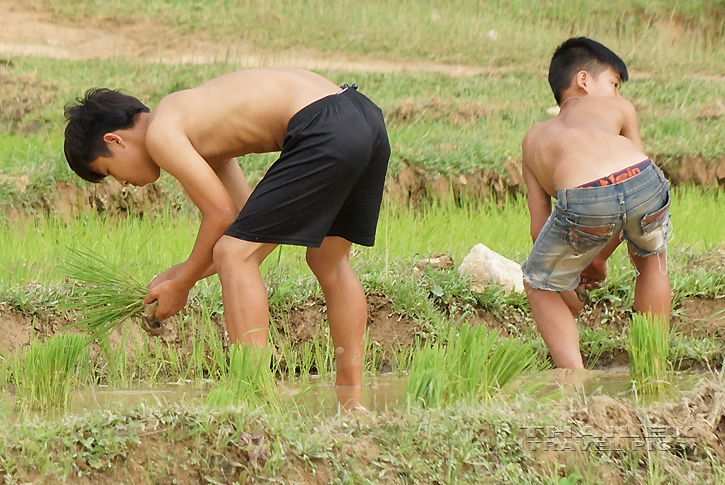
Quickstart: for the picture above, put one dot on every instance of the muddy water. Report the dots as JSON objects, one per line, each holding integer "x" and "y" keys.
{"x": 383, "y": 392}
{"x": 611, "y": 382}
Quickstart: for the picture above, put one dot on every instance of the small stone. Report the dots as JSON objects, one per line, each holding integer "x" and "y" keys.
{"x": 486, "y": 267}
{"x": 435, "y": 261}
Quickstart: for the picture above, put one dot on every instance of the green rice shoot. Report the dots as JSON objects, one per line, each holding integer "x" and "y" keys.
{"x": 474, "y": 363}
{"x": 648, "y": 353}
{"x": 44, "y": 373}
{"x": 105, "y": 295}
{"x": 249, "y": 380}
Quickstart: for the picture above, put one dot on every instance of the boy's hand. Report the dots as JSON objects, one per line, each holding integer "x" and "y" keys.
{"x": 171, "y": 295}
{"x": 594, "y": 275}
{"x": 169, "y": 274}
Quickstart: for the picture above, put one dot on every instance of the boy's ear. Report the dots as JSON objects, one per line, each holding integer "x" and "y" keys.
{"x": 113, "y": 139}
{"x": 581, "y": 80}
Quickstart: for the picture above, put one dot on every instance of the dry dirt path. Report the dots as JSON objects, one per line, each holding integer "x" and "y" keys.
{"x": 31, "y": 32}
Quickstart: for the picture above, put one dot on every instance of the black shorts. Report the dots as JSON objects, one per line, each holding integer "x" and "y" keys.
{"x": 328, "y": 180}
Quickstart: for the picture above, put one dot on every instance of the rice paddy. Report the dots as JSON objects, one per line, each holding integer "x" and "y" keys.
{"x": 458, "y": 383}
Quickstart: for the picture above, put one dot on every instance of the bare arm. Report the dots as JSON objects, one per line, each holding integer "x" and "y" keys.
{"x": 233, "y": 179}
{"x": 538, "y": 200}
{"x": 630, "y": 125}
{"x": 174, "y": 153}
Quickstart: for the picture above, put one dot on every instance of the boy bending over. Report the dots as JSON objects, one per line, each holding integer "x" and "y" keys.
{"x": 324, "y": 191}
{"x": 590, "y": 158}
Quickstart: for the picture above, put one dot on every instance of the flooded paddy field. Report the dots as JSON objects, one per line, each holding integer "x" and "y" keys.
{"x": 459, "y": 85}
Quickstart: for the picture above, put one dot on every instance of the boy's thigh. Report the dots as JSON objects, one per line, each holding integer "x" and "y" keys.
{"x": 648, "y": 225}
{"x": 566, "y": 245}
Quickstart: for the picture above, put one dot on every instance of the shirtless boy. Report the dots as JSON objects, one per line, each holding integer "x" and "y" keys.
{"x": 324, "y": 192}
{"x": 590, "y": 158}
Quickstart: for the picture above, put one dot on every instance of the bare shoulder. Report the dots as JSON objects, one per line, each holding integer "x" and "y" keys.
{"x": 621, "y": 105}
{"x": 533, "y": 136}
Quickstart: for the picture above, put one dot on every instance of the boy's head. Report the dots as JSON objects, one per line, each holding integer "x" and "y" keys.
{"x": 581, "y": 54}
{"x": 98, "y": 112}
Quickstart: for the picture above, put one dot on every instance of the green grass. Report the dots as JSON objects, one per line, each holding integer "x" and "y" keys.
{"x": 45, "y": 373}
{"x": 648, "y": 347}
{"x": 655, "y": 35}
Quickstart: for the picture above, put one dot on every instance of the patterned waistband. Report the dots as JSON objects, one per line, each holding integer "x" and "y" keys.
{"x": 619, "y": 176}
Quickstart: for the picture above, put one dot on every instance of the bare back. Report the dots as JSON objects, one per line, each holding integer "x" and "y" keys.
{"x": 589, "y": 139}
{"x": 239, "y": 113}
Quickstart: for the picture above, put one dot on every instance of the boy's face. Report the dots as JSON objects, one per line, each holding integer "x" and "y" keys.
{"x": 127, "y": 164}
{"x": 606, "y": 83}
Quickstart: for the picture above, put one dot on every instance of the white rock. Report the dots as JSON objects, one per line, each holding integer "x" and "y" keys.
{"x": 485, "y": 267}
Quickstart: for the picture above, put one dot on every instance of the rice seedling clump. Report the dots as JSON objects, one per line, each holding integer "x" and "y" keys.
{"x": 648, "y": 353}
{"x": 105, "y": 295}
{"x": 474, "y": 363}
{"x": 249, "y": 380}
{"x": 44, "y": 373}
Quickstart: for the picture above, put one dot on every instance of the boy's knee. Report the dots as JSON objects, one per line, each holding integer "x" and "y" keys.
{"x": 222, "y": 250}
{"x": 325, "y": 268}
{"x": 228, "y": 249}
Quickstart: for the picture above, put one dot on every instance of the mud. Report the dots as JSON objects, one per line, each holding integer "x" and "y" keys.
{"x": 694, "y": 427}
{"x": 388, "y": 330}
{"x": 457, "y": 114}
{"x": 412, "y": 185}
{"x": 702, "y": 318}
{"x": 69, "y": 200}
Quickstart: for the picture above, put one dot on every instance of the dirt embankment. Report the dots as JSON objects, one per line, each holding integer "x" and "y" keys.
{"x": 390, "y": 330}
{"x": 410, "y": 185}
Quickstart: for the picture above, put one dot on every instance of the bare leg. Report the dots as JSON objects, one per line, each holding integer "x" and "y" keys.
{"x": 572, "y": 302}
{"x": 556, "y": 324}
{"x": 652, "y": 291}
{"x": 346, "y": 312}
{"x": 243, "y": 291}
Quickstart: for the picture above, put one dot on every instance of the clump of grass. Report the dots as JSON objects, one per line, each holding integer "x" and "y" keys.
{"x": 648, "y": 353}
{"x": 249, "y": 380}
{"x": 474, "y": 363}
{"x": 44, "y": 372}
{"x": 106, "y": 295}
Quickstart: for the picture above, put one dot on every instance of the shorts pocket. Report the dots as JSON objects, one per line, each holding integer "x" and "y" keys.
{"x": 582, "y": 238}
{"x": 656, "y": 219}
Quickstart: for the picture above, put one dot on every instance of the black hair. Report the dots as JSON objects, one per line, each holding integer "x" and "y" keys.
{"x": 98, "y": 112}
{"x": 581, "y": 54}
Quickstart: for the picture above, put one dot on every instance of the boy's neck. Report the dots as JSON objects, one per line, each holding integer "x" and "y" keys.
{"x": 561, "y": 106}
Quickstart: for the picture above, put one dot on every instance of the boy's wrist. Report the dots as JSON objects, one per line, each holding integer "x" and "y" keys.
{"x": 186, "y": 277}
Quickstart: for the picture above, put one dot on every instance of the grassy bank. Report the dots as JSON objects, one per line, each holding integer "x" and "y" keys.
{"x": 507, "y": 440}
{"x": 441, "y": 124}
{"x": 655, "y": 35}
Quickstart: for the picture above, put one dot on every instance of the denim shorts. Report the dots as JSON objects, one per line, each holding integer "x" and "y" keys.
{"x": 585, "y": 219}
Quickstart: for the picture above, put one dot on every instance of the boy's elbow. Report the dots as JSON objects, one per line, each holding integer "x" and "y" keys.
{"x": 228, "y": 216}
{"x": 221, "y": 218}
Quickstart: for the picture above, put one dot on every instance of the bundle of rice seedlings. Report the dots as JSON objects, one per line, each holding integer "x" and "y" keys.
{"x": 249, "y": 380}
{"x": 648, "y": 353}
{"x": 475, "y": 363}
{"x": 44, "y": 372}
{"x": 105, "y": 295}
